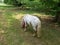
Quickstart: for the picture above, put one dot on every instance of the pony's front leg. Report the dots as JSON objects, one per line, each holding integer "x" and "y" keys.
{"x": 25, "y": 28}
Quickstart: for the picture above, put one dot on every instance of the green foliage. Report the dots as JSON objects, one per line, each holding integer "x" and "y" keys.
{"x": 49, "y": 6}
{"x": 9, "y": 1}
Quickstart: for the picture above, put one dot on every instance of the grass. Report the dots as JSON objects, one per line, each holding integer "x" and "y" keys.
{"x": 5, "y": 7}
{"x": 12, "y": 34}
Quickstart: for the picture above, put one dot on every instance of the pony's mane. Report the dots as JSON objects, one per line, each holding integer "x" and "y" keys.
{"x": 38, "y": 17}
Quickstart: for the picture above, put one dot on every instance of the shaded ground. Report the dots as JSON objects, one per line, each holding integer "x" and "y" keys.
{"x": 12, "y": 34}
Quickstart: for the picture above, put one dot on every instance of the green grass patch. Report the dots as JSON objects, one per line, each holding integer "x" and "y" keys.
{"x": 14, "y": 35}
{"x": 6, "y": 7}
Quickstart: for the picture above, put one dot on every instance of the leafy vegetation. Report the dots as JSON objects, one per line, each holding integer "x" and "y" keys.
{"x": 47, "y": 6}
{"x": 10, "y": 29}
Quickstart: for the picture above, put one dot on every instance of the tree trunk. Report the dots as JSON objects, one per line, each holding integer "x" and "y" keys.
{"x": 57, "y": 17}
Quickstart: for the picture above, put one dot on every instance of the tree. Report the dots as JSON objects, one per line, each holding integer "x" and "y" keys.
{"x": 57, "y": 17}
{"x": 13, "y": 2}
{"x": 53, "y": 6}
{"x": 48, "y": 6}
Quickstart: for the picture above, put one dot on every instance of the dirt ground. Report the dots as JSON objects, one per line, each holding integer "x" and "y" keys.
{"x": 12, "y": 34}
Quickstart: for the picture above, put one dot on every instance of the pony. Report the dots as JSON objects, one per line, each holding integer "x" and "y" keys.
{"x": 31, "y": 20}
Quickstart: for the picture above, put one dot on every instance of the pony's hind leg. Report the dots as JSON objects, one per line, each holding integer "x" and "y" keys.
{"x": 38, "y": 31}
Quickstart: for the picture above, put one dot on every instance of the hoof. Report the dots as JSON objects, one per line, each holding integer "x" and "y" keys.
{"x": 25, "y": 30}
{"x": 34, "y": 35}
{"x": 39, "y": 36}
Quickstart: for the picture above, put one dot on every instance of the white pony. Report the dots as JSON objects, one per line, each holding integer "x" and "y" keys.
{"x": 31, "y": 20}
